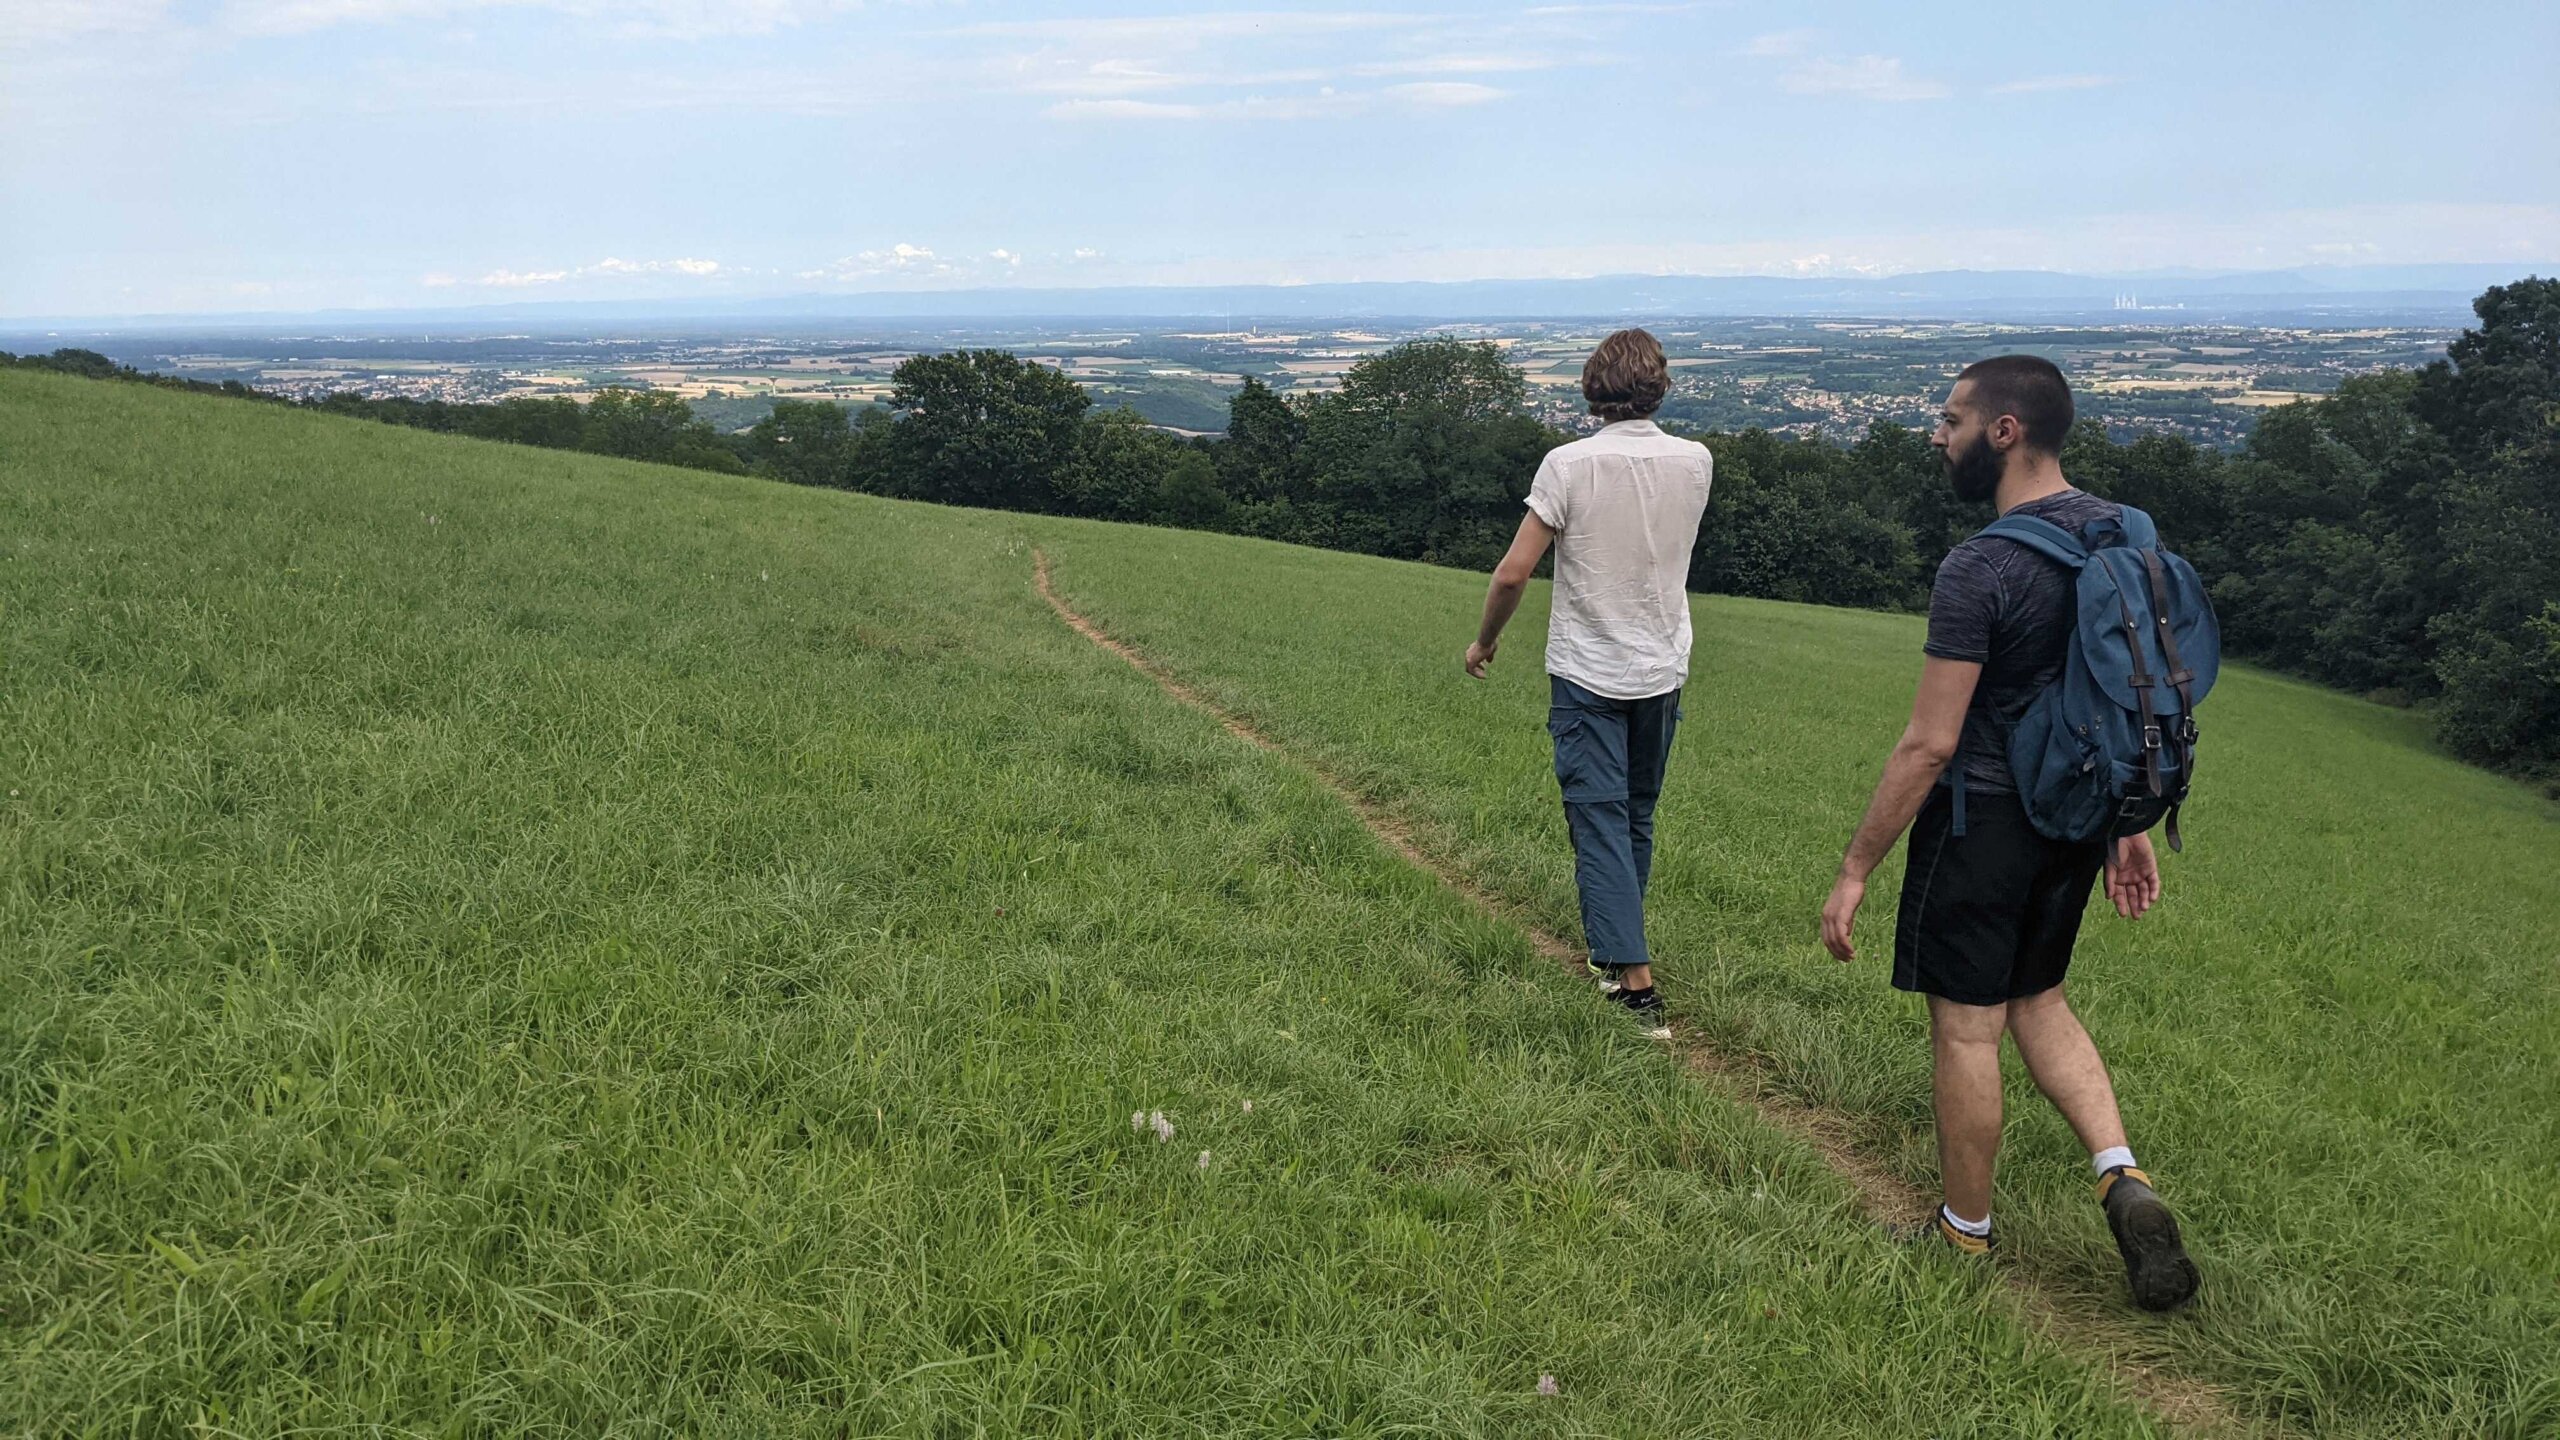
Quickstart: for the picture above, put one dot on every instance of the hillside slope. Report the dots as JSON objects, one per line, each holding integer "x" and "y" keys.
{"x": 2337, "y": 1041}
{"x": 500, "y": 941}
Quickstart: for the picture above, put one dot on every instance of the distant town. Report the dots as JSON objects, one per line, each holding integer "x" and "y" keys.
{"x": 1791, "y": 376}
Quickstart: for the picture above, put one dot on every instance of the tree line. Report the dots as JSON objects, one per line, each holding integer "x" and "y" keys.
{"x": 2399, "y": 539}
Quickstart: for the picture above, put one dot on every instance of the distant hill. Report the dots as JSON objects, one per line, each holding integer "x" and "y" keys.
{"x": 2409, "y": 294}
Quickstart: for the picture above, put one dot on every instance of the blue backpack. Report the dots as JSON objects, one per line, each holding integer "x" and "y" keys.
{"x": 2109, "y": 748}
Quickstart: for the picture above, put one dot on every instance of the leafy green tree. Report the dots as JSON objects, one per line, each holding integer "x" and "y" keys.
{"x": 2496, "y": 659}
{"x": 1189, "y": 495}
{"x": 868, "y": 458}
{"x": 807, "y": 442}
{"x": 653, "y": 425}
{"x": 1119, "y": 468}
{"x": 1465, "y": 380}
{"x": 1788, "y": 521}
{"x": 1900, "y": 478}
{"x": 1426, "y": 452}
{"x": 982, "y": 427}
{"x": 2499, "y": 384}
{"x": 88, "y": 364}
{"x": 554, "y": 422}
{"x": 1259, "y": 459}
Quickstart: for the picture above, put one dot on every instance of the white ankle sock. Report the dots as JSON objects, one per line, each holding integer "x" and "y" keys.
{"x": 2109, "y": 1158}
{"x": 1974, "y": 1228}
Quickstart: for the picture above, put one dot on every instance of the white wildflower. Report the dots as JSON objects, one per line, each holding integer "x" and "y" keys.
{"x": 1163, "y": 1127}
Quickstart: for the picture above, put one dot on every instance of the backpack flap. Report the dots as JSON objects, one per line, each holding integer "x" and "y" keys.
{"x": 2149, "y": 650}
{"x": 2108, "y": 749}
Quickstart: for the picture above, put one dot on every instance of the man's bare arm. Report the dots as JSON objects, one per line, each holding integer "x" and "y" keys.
{"x": 1510, "y": 581}
{"x": 1918, "y": 758}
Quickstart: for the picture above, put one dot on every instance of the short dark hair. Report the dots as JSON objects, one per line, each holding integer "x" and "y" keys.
{"x": 2029, "y": 387}
{"x": 1626, "y": 378}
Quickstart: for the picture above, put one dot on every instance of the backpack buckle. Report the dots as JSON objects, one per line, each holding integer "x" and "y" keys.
{"x": 2187, "y": 731}
{"x": 2151, "y": 736}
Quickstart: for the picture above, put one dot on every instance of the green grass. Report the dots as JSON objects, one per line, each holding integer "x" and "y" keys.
{"x": 502, "y": 942}
{"x": 2337, "y": 1042}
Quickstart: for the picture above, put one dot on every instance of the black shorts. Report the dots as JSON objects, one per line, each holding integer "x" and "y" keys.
{"x": 1989, "y": 916}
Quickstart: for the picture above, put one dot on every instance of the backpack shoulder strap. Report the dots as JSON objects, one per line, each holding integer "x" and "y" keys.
{"x": 2055, "y": 544}
{"x": 2042, "y": 536}
{"x": 2131, "y": 529}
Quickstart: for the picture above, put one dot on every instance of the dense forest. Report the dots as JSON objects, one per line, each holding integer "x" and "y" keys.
{"x": 2399, "y": 539}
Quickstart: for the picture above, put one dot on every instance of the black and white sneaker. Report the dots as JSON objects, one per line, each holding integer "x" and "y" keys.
{"x": 1646, "y": 1006}
{"x": 1605, "y": 977}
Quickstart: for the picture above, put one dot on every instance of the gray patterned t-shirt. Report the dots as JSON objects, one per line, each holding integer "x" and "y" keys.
{"x": 2000, "y": 604}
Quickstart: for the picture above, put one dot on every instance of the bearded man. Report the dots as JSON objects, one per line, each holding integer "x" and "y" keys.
{"x": 1991, "y": 908}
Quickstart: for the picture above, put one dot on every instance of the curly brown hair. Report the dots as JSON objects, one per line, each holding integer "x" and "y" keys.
{"x": 1626, "y": 378}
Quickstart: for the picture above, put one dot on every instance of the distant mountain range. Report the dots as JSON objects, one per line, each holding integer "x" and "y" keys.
{"x": 2411, "y": 294}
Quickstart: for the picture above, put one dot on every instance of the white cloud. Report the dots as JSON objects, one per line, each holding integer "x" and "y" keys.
{"x": 1326, "y": 101}
{"x": 653, "y": 19}
{"x": 1085, "y": 253}
{"x": 1867, "y": 77}
{"x": 686, "y": 266}
{"x": 1781, "y": 43}
{"x": 1673, "y": 7}
{"x": 1123, "y": 110}
{"x": 609, "y": 267}
{"x": 1443, "y": 93}
{"x": 31, "y": 22}
{"x": 1004, "y": 257}
{"x": 2040, "y": 84}
{"x": 899, "y": 259}
{"x": 1190, "y": 31}
{"x": 1323, "y": 102}
{"x": 1263, "y": 66}
{"x": 436, "y": 280}
{"x": 1454, "y": 65}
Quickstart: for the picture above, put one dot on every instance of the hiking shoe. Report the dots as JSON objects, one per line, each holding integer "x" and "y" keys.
{"x": 2155, "y": 1263}
{"x": 1646, "y": 1006}
{"x": 1936, "y": 1230}
{"x": 1604, "y": 976}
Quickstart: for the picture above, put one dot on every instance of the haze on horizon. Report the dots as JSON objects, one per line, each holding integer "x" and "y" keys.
{"x": 181, "y": 156}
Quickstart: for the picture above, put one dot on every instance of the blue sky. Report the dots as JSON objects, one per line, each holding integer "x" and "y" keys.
{"x": 225, "y": 155}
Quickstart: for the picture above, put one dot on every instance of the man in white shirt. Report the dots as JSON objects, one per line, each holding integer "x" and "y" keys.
{"x": 1622, "y": 509}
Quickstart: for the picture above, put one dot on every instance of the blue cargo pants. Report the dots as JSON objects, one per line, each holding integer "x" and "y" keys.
{"x": 1610, "y": 755}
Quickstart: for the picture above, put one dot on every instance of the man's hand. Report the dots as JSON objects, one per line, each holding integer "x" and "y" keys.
{"x": 1839, "y": 915}
{"x": 2133, "y": 876}
{"x": 1510, "y": 579}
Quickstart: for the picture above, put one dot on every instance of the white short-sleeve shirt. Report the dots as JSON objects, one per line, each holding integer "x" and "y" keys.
{"x": 1625, "y": 505}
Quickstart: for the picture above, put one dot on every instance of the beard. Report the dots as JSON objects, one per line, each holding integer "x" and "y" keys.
{"x": 1975, "y": 472}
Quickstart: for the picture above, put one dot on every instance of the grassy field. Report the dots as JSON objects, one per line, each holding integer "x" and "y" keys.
{"x": 2338, "y": 1041}
{"x": 501, "y": 942}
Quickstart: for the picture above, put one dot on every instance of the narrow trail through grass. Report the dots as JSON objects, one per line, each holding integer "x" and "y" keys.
{"x": 2337, "y": 1040}
{"x": 1887, "y": 1198}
